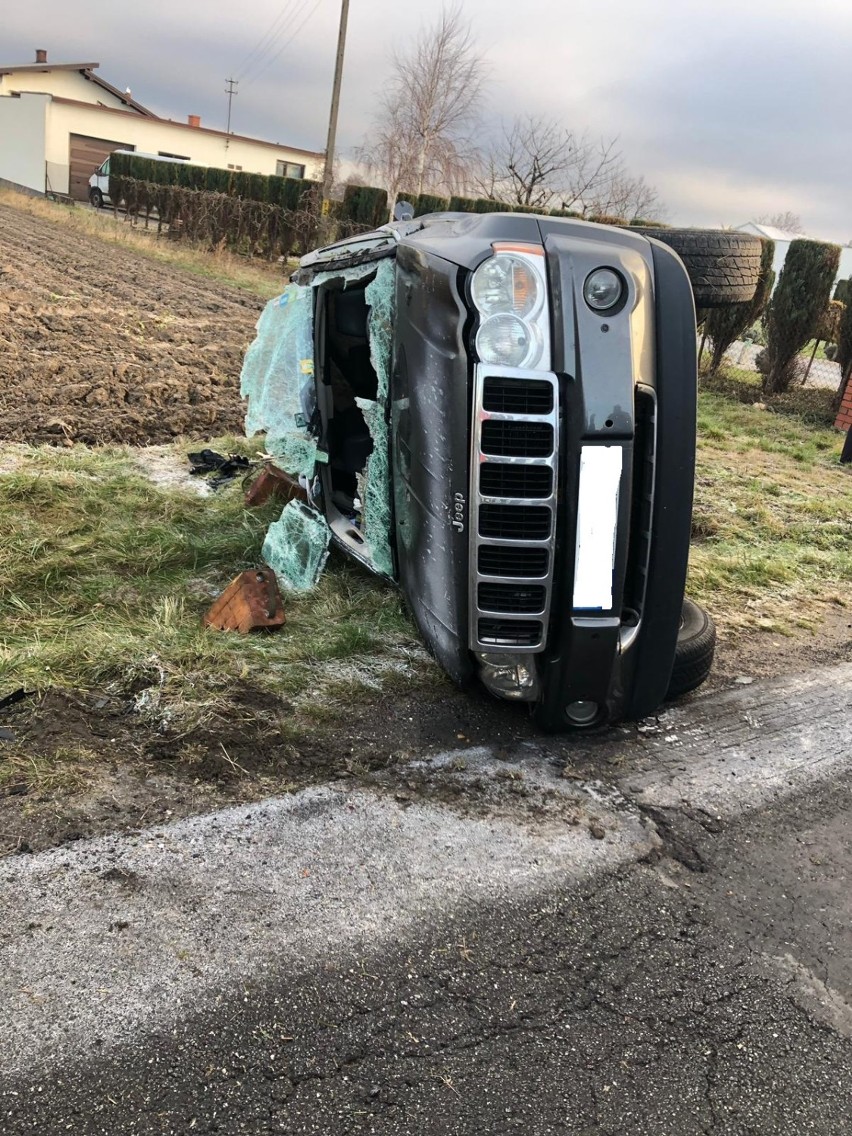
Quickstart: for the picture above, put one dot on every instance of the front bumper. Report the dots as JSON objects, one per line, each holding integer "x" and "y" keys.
{"x": 581, "y": 576}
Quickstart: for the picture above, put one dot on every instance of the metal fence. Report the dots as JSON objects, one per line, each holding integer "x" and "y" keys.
{"x": 812, "y": 368}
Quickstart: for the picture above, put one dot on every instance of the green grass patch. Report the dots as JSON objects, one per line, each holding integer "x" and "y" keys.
{"x": 772, "y": 524}
{"x": 104, "y": 578}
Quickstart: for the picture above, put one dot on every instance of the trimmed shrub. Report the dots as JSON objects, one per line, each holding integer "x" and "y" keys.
{"x": 365, "y": 205}
{"x": 803, "y": 291}
{"x": 843, "y": 291}
{"x": 829, "y": 323}
{"x": 252, "y": 228}
{"x": 428, "y": 203}
{"x": 726, "y": 325}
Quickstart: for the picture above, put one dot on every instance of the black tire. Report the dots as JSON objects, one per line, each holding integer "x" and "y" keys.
{"x": 96, "y": 198}
{"x": 723, "y": 267}
{"x": 696, "y": 643}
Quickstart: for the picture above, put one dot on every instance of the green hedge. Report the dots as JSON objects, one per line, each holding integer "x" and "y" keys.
{"x": 428, "y": 203}
{"x": 290, "y": 194}
{"x": 365, "y": 205}
{"x": 253, "y": 228}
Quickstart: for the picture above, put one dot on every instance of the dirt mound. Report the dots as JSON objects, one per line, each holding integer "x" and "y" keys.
{"x": 99, "y": 344}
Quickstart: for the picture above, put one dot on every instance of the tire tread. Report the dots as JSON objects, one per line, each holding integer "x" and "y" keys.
{"x": 723, "y": 267}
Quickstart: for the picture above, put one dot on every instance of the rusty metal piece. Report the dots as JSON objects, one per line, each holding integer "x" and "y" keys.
{"x": 273, "y": 482}
{"x": 251, "y": 602}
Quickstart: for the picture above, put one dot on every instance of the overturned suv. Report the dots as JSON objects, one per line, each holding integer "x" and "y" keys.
{"x": 498, "y": 412}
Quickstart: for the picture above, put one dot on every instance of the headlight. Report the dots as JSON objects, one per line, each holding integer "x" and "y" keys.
{"x": 508, "y": 341}
{"x": 509, "y": 291}
{"x": 603, "y": 289}
{"x": 506, "y": 284}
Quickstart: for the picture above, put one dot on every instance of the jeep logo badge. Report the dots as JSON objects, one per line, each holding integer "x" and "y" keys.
{"x": 458, "y": 512}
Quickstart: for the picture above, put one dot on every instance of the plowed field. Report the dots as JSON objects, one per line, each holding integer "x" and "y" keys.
{"x": 100, "y": 344}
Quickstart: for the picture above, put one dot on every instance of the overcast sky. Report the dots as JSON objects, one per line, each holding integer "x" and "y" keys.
{"x": 732, "y": 108}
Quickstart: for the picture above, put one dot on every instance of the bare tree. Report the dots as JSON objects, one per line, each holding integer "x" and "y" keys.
{"x": 788, "y": 221}
{"x": 422, "y": 140}
{"x": 538, "y": 162}
{"x": 627, "y": 197}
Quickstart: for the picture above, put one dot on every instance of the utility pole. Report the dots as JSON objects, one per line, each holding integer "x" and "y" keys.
{"x": 230, "y": 91}
{"x": 335, "y": 102}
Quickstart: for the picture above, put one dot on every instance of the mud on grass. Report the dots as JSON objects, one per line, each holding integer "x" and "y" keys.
{"x": 84, "y": 763}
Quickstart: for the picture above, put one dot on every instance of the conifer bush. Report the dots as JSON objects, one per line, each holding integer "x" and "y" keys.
{"x": 797, "y": 305}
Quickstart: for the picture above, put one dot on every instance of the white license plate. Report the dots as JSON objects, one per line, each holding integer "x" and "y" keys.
{"x": 597, "y": 526}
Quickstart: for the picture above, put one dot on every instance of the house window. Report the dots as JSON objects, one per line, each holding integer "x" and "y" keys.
{"x": 232, "y": 167}
{"x": 180, "y": 157}
{"x": 289, "y": 170}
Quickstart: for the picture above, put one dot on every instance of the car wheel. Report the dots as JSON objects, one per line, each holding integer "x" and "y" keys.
{"x": 723, "y": 267}
{"x": 96, "y": 198}
{"x": 696, "y": 643}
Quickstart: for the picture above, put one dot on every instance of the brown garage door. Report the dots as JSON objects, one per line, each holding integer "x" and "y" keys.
{"x": 86, "y": 155}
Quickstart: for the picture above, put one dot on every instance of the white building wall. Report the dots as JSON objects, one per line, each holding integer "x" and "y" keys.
{"x": 22, "y": 140}
{"x": 62, "y": 84}
{"x": 843, "y": 273}
{"x": 153, "y": 135}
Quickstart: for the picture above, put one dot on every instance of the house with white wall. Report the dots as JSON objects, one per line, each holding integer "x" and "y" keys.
{"x": 58, "y": 121}
{"x": 782, "y": 239}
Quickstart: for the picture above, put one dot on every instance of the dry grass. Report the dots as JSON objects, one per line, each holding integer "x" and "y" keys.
{"x": 256, "y": 276}
{"x": 773, "y": 518}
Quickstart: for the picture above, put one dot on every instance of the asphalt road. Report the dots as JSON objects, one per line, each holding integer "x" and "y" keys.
{"x": 655, "y": 939}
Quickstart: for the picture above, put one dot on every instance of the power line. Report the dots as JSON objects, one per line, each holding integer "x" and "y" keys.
{"x": 261, "y": 47}
{"x": 284, "y": 45}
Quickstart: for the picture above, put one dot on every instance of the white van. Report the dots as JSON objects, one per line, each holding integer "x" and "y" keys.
{"x": 99, "y": 181}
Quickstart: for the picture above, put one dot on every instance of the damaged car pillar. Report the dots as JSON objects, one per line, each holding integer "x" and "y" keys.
{"x": 497, "y": 412}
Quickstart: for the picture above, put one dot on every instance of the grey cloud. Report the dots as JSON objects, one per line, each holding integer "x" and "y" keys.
{"x": 731, "y": 108}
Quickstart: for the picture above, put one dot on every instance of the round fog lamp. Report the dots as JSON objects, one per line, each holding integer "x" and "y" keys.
{"x": 603, "y": 289}
{"x": 581, "y": 713}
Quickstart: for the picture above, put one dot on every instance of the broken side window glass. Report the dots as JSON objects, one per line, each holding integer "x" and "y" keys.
{"x": 278, "y": 381}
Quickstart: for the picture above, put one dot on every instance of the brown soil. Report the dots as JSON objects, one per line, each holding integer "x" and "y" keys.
{"x": 765, "y": 654}
{"x": 100, "y": 344}
{"x": 103, "y": 767}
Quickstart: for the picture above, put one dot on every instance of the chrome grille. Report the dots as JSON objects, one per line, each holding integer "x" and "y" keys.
{"x": 513, "y": 496}
{"x": 517, "y": 396}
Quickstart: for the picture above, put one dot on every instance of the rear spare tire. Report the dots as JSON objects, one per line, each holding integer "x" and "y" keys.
{"x": 696, "y": 643}
{"x": 723, "y": 267}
